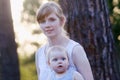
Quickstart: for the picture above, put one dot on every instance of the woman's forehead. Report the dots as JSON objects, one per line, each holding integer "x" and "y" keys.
{"x": 45, "y": 14}
{"x": 52, "y": 15}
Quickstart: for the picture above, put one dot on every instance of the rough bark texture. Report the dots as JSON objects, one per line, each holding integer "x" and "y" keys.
{"x": 9, "y": 66}
{"x": 88, "y": 23}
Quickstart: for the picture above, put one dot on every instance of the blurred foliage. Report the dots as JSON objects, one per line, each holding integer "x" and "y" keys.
{"x": 114, "y": 10}
{"x": 29, "y": 10}
{"x": 27, "y": 68}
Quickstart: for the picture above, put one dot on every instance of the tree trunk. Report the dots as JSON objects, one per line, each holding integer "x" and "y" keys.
{"x": 88, "y": 23}
{"x": 9, "y": 66}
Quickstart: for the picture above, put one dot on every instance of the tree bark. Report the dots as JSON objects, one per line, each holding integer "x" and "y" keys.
{"x": 9, "y": 66}
{"x": 88, "y": 23}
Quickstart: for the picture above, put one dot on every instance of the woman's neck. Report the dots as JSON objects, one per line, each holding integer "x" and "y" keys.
{"x": 59, "y": 40}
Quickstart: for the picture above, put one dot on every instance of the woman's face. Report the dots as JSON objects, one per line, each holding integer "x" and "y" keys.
{"x": 51, "y": 25}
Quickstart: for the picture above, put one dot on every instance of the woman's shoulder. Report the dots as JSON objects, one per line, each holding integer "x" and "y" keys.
{"x": 73, "y": 47}
{"x": 78, "y": 48}
{"x": 40, "y": 49}
{"x": 75, "y": 44}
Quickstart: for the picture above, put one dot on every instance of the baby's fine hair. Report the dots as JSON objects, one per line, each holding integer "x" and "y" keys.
{"x": 54, "y": 49}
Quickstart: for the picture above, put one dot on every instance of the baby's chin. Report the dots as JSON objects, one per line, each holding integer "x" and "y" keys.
{"x": 62, "y": 71}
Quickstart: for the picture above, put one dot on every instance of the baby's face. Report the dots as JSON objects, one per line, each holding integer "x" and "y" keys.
{"x": 59, "y": 62}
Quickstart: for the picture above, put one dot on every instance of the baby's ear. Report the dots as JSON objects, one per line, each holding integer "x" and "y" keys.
{"x": 48, "y": 62}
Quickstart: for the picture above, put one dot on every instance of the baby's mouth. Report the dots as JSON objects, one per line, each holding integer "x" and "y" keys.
{"x": 60, "y": 66}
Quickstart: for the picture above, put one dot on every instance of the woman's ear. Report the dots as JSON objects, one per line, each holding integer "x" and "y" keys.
{"x": 63, "y": 20}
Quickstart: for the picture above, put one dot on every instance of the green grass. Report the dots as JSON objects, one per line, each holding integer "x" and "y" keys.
{"x": 27, "y": 68}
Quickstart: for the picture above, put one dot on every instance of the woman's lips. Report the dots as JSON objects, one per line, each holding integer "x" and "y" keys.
{"x": 49, "y": 30}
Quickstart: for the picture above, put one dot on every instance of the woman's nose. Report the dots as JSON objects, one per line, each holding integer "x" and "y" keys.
{"x": 47, "y": 24}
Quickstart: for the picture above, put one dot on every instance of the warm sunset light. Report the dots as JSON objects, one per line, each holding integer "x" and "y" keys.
{"x": 23, "y": 32}
{"x": 16, "y": 8}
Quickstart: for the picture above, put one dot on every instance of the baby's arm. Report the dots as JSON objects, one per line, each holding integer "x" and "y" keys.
{"x": 77, "y": 76}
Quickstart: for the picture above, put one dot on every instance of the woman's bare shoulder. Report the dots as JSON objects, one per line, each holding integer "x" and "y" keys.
{"x": 39, "y": 51}
{"x": 78, "y": 50}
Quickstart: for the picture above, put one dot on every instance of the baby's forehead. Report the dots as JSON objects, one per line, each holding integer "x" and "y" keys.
{"x": 58, "y": 53}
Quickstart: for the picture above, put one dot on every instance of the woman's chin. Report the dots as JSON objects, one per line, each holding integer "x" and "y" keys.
{"x": 50, "y": 35}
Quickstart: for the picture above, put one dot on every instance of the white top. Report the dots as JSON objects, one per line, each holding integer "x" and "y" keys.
{"x": 42, "y": 68}
{"x": 69, "y": 75}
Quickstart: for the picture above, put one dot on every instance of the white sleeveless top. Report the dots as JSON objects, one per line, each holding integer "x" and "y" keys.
{"x": 69, "y": 75}
{"x": 42, "y": 68}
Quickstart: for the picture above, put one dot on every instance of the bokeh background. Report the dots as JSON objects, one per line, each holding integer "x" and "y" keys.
{"x": 29, "y": 37}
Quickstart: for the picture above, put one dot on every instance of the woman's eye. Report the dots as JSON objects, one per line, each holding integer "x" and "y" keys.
{"x": 43, "y": 21}
{"x": 52, "y": 19}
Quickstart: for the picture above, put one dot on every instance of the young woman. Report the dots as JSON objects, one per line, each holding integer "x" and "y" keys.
{"x": 58, "y": 60}
{"x": 52, "y": 20}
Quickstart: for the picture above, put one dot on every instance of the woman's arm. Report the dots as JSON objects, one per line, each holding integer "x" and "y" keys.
{"x": 36, "y": 62}
{"x": 81, "y": 62}
{"x": 77, "y": 76}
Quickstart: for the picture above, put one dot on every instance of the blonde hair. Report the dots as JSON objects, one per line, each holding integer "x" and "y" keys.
{"x": 54, "y": 49}
{"x": 47, "y": 8}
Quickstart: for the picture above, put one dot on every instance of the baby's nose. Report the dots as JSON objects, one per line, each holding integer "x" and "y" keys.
{"x": 60, "y": 62}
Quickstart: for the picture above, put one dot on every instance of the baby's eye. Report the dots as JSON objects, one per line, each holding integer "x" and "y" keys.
{"x": 55, "y": 59}
{"x": 63, "y": 58}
